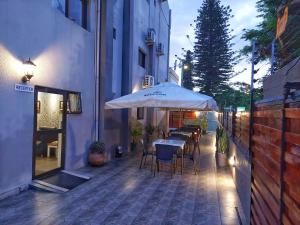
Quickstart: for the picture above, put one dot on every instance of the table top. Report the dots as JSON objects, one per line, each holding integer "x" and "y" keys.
{"x": 189, "y": 134}
{"x": 179, "y": 143}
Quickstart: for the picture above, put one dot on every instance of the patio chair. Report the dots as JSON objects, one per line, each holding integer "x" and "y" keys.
{"x": 147, "y": 150}
{"x": 165, "y": 154}
{"x": 196, "y": 140}
{"x": 186, "y": 154}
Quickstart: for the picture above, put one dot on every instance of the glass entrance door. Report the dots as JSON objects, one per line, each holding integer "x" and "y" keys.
{"x": 48, "y": 149}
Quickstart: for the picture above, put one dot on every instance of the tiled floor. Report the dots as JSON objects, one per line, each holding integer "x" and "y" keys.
{"x": 121, "y": 194}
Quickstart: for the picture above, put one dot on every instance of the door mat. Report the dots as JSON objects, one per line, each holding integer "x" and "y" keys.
{"x": 64, "y": 180}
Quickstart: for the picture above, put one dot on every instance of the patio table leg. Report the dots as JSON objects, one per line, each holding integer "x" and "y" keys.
{"x": 182, "y": 162}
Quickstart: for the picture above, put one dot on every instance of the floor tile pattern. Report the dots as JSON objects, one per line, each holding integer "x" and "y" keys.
{"x": 122, "y": 194}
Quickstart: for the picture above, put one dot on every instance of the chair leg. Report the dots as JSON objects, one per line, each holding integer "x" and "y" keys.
{"x": 141, "y": 163}
{"x": 182, "y": 165}
{"x": 152, "y": 163}
{"x": 145, "y": 160}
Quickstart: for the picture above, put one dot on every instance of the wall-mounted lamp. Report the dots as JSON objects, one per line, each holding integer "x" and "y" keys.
{"x": 29, "y": 68}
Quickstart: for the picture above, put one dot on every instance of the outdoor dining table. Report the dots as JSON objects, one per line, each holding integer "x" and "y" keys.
{"x": 178, "y": 143}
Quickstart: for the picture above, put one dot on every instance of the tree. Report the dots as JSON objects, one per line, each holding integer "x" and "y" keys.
{"x": 213, "y": 55}
{"x": 237, "y": 94}
{"x": 287, "y": 47}
{"x": 187, "y": 68}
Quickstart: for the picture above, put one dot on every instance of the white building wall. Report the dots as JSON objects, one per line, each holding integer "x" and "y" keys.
{"x": 64, "y": 55}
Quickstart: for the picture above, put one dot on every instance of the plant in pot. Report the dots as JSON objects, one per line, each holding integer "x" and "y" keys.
{"x": 150, "y": 132}
{"x": 203, "y": 124}
{"x": 136, "y": 131}
{"x": 97, "y": 153}
{"x": 222, "y": 147}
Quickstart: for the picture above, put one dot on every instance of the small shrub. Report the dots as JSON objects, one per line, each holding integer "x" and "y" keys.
{"x": 97, "y": 147}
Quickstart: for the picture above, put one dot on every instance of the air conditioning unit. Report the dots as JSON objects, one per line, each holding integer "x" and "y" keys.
{"x": 160, "y": 49}
{"x": 150, "y": 37}
{"x": 148, "y": 81}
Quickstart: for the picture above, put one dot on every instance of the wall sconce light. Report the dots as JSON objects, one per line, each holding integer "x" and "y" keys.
{"x": 29, "y": 68}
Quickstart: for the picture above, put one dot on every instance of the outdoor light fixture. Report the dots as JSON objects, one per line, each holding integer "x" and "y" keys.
{"x": 185, "y": 67}
{"x": 29, "y": 68}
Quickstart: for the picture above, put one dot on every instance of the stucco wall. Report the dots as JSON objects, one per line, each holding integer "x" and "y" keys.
{"x": 63, "y": 53}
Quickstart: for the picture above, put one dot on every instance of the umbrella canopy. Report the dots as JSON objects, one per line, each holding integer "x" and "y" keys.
{"x": 164, "y": 95}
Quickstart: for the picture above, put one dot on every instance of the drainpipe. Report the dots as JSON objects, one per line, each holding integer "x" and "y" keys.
{"x": 96, "y": 58}
{"x": 169, "y": 35}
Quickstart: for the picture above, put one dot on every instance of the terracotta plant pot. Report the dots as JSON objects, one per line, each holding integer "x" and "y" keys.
{"x": 96, "y": 159}
{"x": 221, "y": 159}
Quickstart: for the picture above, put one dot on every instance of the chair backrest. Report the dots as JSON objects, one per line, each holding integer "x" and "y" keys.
{"x": 165, "y": 152}
{"x": 180, "y": 136}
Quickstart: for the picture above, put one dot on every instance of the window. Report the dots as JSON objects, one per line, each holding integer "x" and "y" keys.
{"x": 140, "y": 113}
{"x": 76, "y": 10}
{"x": 114, "y": 33}
{"x": 74, "y": 103}
{"x": 142, "y": 59}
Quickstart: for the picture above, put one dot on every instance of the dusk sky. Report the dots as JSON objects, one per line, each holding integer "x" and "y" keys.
{"x": 185, "y": 12}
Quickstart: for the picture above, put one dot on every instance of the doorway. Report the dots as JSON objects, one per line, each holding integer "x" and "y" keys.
{"x": 49, "y": 131}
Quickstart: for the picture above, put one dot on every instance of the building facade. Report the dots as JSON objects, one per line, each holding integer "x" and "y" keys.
{"x": 140, "y": 38}
{"x": 85, "y": 53}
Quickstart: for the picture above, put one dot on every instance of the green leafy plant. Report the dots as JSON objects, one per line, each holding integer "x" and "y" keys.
{"x": 222, "y": 140}
{"x": 203, "y": 124}
{"x": 136, "y": 130}
{"x": 97, "y": 147}
{"x": 150, "y": 129}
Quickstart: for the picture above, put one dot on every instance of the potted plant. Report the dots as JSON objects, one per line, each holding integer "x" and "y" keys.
{"x": 203, "y": 124}
{"x": 222, "y": 147}
{"x": 97, "y": 153}
{"x": 150, "y": 132}
{"x": 136, "y": 131}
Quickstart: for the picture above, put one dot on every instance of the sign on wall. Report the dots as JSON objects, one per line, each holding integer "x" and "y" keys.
{"x": 24, "y": 88}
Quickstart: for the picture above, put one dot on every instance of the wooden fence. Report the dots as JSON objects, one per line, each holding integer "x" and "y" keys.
{"x": 237, "y": 126}
{"x": 275, "y": 159}
{"x": 276, "y": 165}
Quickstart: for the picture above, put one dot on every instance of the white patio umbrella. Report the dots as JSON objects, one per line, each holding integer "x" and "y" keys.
{"x": 167, "y": 96}
{"x": 164, "y": 95}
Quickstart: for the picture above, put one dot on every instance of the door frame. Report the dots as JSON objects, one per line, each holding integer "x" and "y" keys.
{"x": 64, "y": 124}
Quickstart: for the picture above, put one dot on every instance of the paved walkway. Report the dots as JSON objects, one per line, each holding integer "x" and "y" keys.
{"x": 121, "y": 194}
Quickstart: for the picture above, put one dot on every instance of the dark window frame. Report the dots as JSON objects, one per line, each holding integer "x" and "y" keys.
{"x": 69, "y": 103}
{"x": 142, "y": 58}
{"x": 140, "y": 112}
{"x": 114, "y": 33}
{"x": 84, "y": 12}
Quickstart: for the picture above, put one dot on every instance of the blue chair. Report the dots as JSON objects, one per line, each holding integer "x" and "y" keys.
{"x": 165, "y": 154}
{"x": 147, "y": 150}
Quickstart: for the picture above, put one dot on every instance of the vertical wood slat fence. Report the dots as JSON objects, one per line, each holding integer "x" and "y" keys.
{"x": 237, "y": 126}
{"x": 275, "y": 185}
